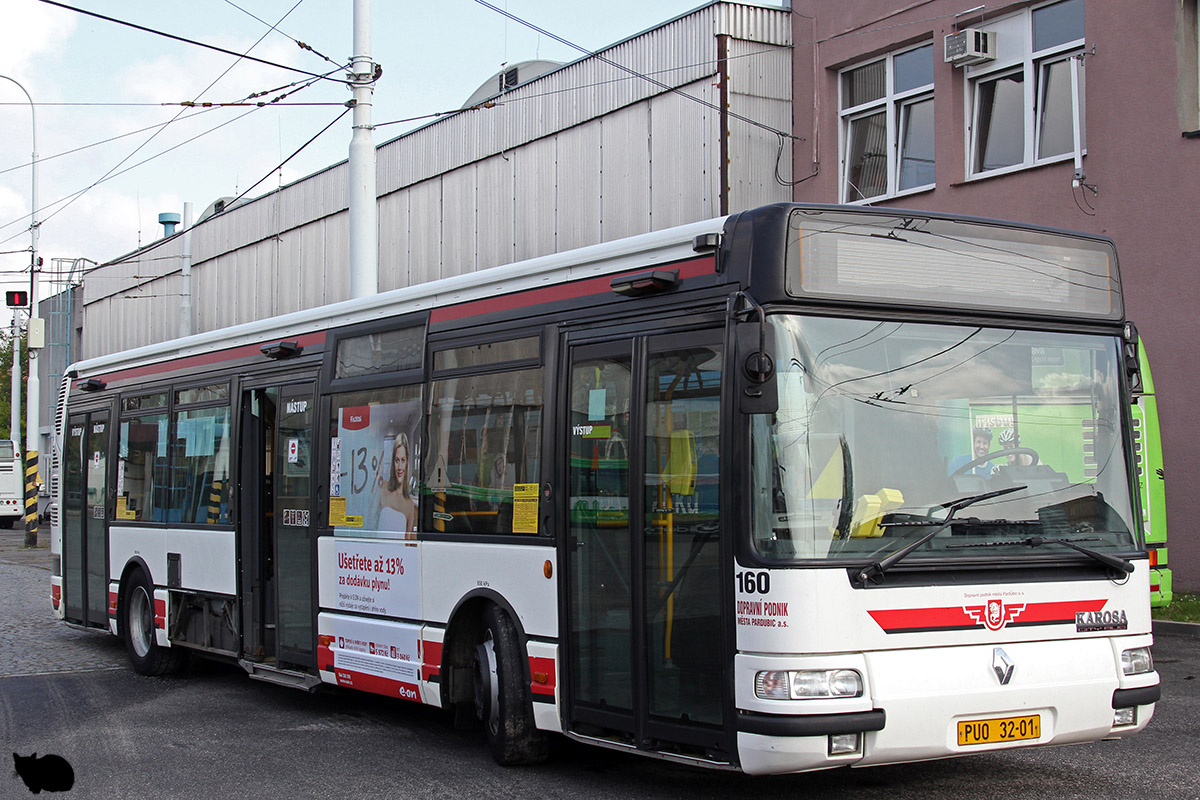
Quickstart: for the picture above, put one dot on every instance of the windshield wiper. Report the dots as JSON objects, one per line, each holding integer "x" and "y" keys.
{"x": 884, "y": 564}
{"x": 1116, "y": 562}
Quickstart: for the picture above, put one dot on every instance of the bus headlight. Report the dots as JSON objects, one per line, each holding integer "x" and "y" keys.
{"x": 1137, "y": 661}
{"x": 808, "y": 684}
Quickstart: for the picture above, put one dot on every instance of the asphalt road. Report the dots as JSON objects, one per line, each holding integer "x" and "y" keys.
{"x": 213, "y": 733}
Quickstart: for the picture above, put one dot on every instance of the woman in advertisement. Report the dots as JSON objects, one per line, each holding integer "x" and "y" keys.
{"x": 397, "y": 509}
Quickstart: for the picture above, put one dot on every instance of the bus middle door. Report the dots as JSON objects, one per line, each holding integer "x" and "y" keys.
{"x": 276, "y": 528}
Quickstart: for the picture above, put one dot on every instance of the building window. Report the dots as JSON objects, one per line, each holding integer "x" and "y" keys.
{"x": 887, "y": 126}
{"x": 1027, "y": 106}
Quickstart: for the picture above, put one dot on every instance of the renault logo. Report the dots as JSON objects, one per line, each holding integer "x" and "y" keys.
{"x": 1002, "y": 665}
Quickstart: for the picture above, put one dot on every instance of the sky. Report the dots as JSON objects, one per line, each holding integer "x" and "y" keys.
{"x": 103, "y": 91}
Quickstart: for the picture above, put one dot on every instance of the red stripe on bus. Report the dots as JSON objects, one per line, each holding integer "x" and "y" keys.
{"x": 431, "y": 659}
{"x": 543, "y": 669}
{"x": 204, "y": 359}
{"x": 905, "y": 618}
{"x": 925, "y": 619}
{"x": 377, "y": 685}
{"x": 588, "y": 287}
{"x": 55, "y": 596}
{"x": 113, "y": 598}
{"x": 1058, "y": 612}
{"x": 160, "y": 613}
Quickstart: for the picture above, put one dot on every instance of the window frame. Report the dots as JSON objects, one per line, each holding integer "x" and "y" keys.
{"x": 893, "y": 104}
{"x": 332, "y": 407}
{"x": 1032, "y": 66}
{"x": 127, "y": 411}
{"x": 331, "y": 384}
{"x": 483, "y": 370}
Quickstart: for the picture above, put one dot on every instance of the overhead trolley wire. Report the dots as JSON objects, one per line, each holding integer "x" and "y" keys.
{"x": 112, "y": 172}
{"x": 231, "y": 203}
{"x": 295, "y": 153}
{"x": 275, "y": 27}
{"x": 205, "y": 108}
{"x": 184, "y": 103}
{"x": 75, "y": 196}
{"x": 631, "y": 71}
{"x": 194, "y": 42}
{"x": 507, "y": 98}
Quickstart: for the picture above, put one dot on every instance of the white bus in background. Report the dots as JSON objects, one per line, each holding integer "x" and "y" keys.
{"x": 728, "y": 494}
{"x": 12, "y": 485}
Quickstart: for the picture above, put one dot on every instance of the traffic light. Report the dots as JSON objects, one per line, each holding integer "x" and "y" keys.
{"x": 17, "y": 299}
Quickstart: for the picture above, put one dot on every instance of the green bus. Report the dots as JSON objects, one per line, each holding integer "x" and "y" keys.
{"x": 1151, "y": 483}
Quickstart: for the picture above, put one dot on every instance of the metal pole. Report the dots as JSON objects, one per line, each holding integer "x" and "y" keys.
{"x": 32, "y": 388}
{"x": 364, "y": 231}
{"x": 15, "y": 424}
{"x": 185, "y": 302}
{"x": 32, "y": 419}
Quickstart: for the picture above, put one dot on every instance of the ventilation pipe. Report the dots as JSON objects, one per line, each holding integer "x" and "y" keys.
{"x": 168, "y": 219}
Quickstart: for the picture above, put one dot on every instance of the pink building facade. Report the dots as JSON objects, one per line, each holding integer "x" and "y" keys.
{"x": 1076, "y": 114}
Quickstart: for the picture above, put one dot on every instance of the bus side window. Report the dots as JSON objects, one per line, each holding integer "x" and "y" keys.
{"x": 484, "y": 439}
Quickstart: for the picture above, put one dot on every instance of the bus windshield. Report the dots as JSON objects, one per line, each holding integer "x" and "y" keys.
{"x": 881, "y": 425}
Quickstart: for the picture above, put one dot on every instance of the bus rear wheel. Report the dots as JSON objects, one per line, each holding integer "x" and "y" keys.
{"x": 502, "y": 698}
{"x": 136, "y": 621}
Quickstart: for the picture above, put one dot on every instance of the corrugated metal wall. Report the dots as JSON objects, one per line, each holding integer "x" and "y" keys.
{"x": 584, "y": 154}
{"x": 760, "y": 80}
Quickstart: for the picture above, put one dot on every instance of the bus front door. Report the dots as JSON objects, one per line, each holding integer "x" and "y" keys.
{"x": 85, "y": 519}
{"x": 276, "y": 527}
{"x": 646, "y": 659}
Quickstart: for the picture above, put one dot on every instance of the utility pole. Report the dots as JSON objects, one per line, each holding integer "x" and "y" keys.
{"x": 31, "y": 409}
{"x": 37, "y": 340}
{"x": 15, "y": 424}
{"x": 364, "y": 215}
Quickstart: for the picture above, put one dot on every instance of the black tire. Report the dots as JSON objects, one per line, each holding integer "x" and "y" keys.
{"x": 502, "y": 699}
{"x": 135, "y": 619}
{"x": 8, "y": 522}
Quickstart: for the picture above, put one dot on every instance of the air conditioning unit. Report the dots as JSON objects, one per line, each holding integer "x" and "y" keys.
{"x": 970, "y": 46}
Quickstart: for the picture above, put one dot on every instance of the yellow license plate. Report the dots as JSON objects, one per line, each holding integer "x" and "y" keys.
{"x": 1000, "y": 729}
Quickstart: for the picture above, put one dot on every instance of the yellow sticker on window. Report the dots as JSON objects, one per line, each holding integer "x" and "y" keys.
{"x": 337, "y": 511}
{"x": 525, "y": 507}
{"x": 123, "y": 510}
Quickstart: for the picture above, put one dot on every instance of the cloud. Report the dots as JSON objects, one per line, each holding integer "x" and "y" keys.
{"x": 28, "y": 31}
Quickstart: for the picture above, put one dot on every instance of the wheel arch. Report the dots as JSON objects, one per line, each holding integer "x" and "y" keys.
{"x": 131, "y": 566}
{"x": 464, "y": 630}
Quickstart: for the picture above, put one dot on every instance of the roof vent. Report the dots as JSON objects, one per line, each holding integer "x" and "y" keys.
{"x": 168, "y": 219}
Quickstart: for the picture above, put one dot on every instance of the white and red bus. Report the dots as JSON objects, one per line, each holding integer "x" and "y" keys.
{"x": 804, "y": 487}
{"x": 12, "y": 485}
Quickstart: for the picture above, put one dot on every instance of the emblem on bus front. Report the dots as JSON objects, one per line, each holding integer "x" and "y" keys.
{"x": 1003, "y": 666}
{"x": 994, "y": 614}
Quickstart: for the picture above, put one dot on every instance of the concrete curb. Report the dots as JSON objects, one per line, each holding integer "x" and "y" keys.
{"x": 1164, "y": 627}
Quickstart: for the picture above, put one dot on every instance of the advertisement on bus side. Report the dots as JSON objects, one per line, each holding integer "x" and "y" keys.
{"x": 369, "y": 577}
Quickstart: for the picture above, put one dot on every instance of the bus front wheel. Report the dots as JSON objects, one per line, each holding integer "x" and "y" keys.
{"x": 502, "y": 698}
{"x": 136, "y": 620}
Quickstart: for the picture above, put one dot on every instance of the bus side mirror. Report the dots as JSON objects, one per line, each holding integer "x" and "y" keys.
{"x": 754, "y": 364}
{"x": 1132, "y": 361}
